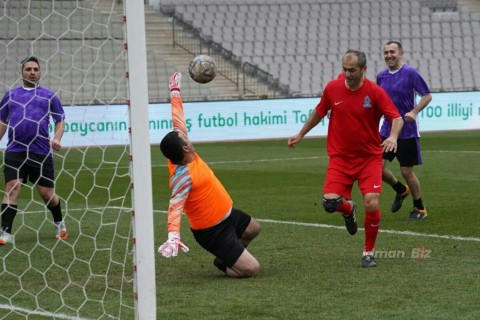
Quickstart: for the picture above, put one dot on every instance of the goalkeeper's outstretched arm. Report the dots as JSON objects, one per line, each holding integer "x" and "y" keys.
{"x": 181, "y": 184}
{"x": 180, "y": 181}
{"x": 178, "y": 116}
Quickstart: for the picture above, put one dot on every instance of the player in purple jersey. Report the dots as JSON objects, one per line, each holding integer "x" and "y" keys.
{"x": 403, "y": 84}
{"x": 25, "y": 111}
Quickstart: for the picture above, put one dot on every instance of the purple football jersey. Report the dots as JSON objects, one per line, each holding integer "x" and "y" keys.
{"x": 27, "y": 113}
{"x": 403, "y": 86}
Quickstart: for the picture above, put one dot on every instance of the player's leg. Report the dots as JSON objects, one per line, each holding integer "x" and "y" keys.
{"x": 371, "y": 201}
{"x": 370, "y": 184}
{"x": 9, "y": 210}
{"x": 53, "y": 204}
{"x": 12, "y": 191}
{"x": 338, "y": 187}
{"x": 412, "y": 181}
{"x": 48, "y": 195}
{"x": 402, "y": 191}
{"x": 15, "y": 174}
{"x": 251, "y": 232}
{"x": 333, "y": 202}
{"x": 43, "y": 176}
{"x": 245, "y": 266}
{"x": 387, "y": 174}
{"x": 246, "y": 229}
{"x": 419, "y": 211}
{"x": 226, "y": 242}
{"x": 408, "y": 158}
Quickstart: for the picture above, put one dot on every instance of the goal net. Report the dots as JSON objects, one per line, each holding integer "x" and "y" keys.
{"x": 81, "y": 46}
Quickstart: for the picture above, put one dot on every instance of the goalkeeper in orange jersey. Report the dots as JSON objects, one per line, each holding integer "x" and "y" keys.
{"x": 216, "y": 225}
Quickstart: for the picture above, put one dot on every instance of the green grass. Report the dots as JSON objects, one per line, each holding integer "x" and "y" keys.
{"x": 310, "y": 265}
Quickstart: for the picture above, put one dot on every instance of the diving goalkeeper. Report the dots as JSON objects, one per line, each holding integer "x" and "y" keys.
{"x": 217, "y": 226}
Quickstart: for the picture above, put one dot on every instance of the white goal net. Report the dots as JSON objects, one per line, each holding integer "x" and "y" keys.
{"x": 81, "y": 46}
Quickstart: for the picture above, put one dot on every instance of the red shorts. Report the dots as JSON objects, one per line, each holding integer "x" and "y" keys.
{"x": 343, "y": 172}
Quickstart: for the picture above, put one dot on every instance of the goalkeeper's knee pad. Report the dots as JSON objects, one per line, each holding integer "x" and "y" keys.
{"x": 331, "y": 205}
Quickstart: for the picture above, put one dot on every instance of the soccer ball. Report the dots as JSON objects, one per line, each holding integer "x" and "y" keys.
{"x": 202, "y": 69}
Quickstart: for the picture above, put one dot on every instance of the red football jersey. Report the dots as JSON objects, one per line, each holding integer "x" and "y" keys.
{"x": 355, "y": 116}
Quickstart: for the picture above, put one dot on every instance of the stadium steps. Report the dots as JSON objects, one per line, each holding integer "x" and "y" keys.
{"x": 160, "y": 44}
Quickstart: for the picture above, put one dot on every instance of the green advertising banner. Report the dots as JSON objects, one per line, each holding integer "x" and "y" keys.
{"x": 246, "y": 120}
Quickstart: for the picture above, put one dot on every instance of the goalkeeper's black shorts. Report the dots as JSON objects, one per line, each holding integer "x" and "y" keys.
{"x": 223, "y": 239}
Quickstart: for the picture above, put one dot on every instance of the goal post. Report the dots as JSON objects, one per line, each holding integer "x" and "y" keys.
{"x": 144, "y": 255}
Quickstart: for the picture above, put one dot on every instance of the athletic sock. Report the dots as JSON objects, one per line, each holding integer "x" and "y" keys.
{"x": 56, "y": 212}
{"x": 418, "y": 204}
{"x": 371, "y": 225}
{"x": 399, "y": 187}
{"x": 345, "y": 207}
{"x": 8, "y": 214}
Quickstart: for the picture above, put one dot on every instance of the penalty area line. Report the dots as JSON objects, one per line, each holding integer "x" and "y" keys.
{"x": 397, "y": 232}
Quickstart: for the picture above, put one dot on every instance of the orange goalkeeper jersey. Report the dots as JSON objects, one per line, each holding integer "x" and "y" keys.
{"x": 195, "y": 188}
{"x": 206, "y": 202}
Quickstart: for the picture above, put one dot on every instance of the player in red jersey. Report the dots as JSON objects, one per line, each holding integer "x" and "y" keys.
{"x": 354, "y": 146}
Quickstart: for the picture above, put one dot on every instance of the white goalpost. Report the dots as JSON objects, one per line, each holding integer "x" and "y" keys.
{"x": 93, "y": 55}
{"x": 145, "y": 297}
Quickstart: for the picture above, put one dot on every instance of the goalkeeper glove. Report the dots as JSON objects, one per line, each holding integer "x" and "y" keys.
{"x": 175, "y": 81}
{"x": 170, "y": 247}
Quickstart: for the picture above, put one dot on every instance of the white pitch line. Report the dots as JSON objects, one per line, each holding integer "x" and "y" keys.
{"x": 39, "y": 313}
{"x": 315, "y": 158}
{"x": 162, "y": 165}
{"x": 407, "y": 233}
{"x": 329, "y": 226}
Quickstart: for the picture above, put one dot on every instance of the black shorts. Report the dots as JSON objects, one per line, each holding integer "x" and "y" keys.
{"x": 408, "y": 152}
{"x": 37, "y": 168}
{"x": 223, "y": 239}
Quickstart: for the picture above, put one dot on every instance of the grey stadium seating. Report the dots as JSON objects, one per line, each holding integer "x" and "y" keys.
{"x": 80, "y": 48}
{"x": 300, "y": 42}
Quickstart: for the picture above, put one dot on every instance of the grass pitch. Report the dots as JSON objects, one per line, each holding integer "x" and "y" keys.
{"x": 310, "y": 265}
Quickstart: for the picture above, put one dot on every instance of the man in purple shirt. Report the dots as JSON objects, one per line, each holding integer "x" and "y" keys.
{"x": 25, "y": 111}
{"x": 403, "y": 83}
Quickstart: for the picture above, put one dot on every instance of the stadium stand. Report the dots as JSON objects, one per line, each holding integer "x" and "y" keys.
{"x": 297, "y": 44}
{"x": 301, "y": 40}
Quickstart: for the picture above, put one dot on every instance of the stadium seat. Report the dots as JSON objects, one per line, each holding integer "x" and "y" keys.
{"x": 280, "y": 34}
